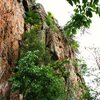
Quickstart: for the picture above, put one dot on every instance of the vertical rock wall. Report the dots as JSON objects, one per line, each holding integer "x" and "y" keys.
{"x": 58, "y": 45}
{"x": 11, "y": 29}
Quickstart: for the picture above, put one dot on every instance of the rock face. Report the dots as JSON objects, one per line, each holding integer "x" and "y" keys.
{"x": 11, "y": 29}
{"x": 58, "y": 46}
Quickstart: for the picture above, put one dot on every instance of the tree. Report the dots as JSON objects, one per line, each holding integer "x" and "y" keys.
{"x": 83, "y": 13}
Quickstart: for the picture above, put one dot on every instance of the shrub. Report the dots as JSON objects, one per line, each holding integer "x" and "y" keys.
{"x": 31, "y": 42}
{"x": 32, "y": 17}
{"x": 37, "y": 82}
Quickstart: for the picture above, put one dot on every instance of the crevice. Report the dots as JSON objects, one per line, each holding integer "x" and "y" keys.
{"x": 25, "y": 5}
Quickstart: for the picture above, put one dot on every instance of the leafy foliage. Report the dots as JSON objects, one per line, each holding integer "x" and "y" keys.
{"x": 32, "y": 41}
{"x": 72, "y": 2}
{"x": 32, "y": 17}
{"x": 82, "y": 16}
{"x": 60, "y": 68}
{"x": 51, "y": 21}
{"x": 37, "y": 82}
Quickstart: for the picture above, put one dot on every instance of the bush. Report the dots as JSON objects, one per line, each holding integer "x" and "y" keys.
{"x": 37, "y": 82}
{"x": 31, "y": 42}
{"x": 32, "y": 17}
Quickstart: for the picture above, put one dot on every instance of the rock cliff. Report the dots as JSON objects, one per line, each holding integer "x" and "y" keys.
{"x": 12, "y": 27}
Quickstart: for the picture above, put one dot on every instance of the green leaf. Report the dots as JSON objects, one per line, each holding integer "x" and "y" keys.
{"x": 96, "y": 2}
{"x": 98, "y": 10}
{"x": 70, "y": 2}
{"x": 78, "y": 1}
{"x": 91, "y": 2}
{"x": 75, "y": 1}
{"x": 74, "y": 31}
{"x": 89, "y": 13}
{"x": 84, "y": 1}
